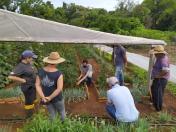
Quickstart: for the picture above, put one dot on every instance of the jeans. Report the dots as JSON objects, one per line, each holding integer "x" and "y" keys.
{"x": 157, "y": 90}
{"x": 55, "y": 108}
{"x": 111, "y": 110}
{"x": 119, "y": 75}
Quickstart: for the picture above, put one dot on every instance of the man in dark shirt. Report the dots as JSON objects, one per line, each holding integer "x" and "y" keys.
{"x": 120, "y": 61}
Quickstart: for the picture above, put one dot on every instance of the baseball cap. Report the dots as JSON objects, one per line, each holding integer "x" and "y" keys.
{"x": 29, "y": 53}
{"x": 112, "y": 80}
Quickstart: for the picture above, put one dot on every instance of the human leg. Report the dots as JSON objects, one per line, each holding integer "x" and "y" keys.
{"x": 119, "y": 75}
{"x": 60, "y": 108}
{"x": 111, "y": 110}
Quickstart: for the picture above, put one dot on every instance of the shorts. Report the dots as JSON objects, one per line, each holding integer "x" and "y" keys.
{"x": 88, "y": 81}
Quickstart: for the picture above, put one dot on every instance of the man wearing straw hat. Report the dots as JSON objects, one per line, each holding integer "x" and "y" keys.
{"x": 49, "y": 85}
{"x": 120, "y": 105}
{"x": 160, "y": 76}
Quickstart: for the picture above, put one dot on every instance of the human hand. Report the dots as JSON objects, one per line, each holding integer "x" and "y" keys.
{"x": 48, "y": 99}
{"x": 23, "y": 81}
{"x": 78, "y": 83}
{"x": 44, "y": 100}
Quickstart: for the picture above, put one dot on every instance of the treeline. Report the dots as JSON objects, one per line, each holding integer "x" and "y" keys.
{"x": 152, "y": 18}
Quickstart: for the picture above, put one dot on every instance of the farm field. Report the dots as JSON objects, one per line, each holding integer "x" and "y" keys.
{"x": 83, "y": 114}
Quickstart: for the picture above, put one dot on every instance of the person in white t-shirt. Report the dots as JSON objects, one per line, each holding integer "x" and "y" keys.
{"x": 120, "y": 105}
{"x": 86, "y": 75}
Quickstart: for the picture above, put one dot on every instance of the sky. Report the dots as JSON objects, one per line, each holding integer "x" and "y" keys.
{"x": 106, "y": 4}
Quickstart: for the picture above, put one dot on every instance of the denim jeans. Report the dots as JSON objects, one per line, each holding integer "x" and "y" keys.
{"x": 119, "y": 75}
{"x": 55, "y": 108}
{"x": 111, "y": 110}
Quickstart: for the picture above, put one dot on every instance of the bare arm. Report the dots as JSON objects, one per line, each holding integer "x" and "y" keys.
{"x": 18, "y": 79}
{"x": 83, "y": 78}
{"x": 38, "y": 87}
{"x": 80, "y": 76}
{"x": 58, "y": 90}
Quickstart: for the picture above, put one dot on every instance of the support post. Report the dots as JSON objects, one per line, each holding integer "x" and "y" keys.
{"x": 151, "y": 63}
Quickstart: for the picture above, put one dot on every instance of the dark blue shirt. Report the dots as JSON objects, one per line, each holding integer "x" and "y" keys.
{"x": 119, "y": 56}
{"x": 49, "y": 83}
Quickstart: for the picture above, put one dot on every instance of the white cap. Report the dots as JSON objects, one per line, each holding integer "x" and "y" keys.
{"x": 112, "y": 80}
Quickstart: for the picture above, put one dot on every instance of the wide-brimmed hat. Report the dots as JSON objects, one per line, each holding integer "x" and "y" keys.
{"x": 159, "y": 49}
{"x": 112, "y": 80}
{"x": 53, "y": 58}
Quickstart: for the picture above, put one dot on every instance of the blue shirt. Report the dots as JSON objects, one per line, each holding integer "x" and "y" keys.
{"x": 122, "y": 99}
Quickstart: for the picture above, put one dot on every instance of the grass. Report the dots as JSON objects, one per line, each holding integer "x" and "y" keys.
{"x": 41, "y": 123}
{"x": 102, "y": 92}
{"x": 74, "y": 94}
{"x": 164, "y": 117}
{"x": 13, "y": 92}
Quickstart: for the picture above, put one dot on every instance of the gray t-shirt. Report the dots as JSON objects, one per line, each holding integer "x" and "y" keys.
{"x": 27, "y": 72}
{"x": 88, "y": 69}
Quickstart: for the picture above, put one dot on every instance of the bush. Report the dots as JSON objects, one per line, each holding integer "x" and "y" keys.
{"x": 167, "y": 36}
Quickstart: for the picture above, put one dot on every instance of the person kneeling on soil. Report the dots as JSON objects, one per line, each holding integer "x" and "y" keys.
{"x": 120, "y": 104}
{"x": 26, "y": 75}
{"x": 86, "y": 74}
{"x": 49, "y": 85}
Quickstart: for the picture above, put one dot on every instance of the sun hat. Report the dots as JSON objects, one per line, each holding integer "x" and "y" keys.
{"x": 158, "y": 50}
{"x": 28, "y": 53}
{"x": 112, "y": 80}
{"x": 53, "y": 58}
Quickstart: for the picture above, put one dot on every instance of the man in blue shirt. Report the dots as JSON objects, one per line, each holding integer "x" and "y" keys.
{"x": 120, "y": 61}
{"x": 120, "y": 105}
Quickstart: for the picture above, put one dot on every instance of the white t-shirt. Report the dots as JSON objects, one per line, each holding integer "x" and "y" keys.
{"x": 123, "y": 101}
{"x": 87, "y": 70}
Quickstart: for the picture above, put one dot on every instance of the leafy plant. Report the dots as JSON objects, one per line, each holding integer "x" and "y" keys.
{"x": 74, "y": 94}
{"x": 164, "y": 117}
{"x": 103, "y": 92}
{"x": 13, "y": 92}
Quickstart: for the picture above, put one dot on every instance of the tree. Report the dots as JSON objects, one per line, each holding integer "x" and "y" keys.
{"x": 10, "y": 5}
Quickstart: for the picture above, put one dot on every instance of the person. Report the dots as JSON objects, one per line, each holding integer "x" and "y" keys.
{"x": 120, "y": 60}
{"x": 49, "y": 85}
{"x": 120, "y": 104}
{"x": 86, "y": 75}
{"x": 25, "y": 73}
{"x": 160, "y": 76}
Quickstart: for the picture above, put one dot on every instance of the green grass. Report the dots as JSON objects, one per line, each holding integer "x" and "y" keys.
{"x": 172, "y": 87}
{"x": 164, "y": 117}
{"x": 13, "y": 92}
{"x": 41, "y": 123}
{"x": 103, "y": 92}
{"x": 74, "y": 94}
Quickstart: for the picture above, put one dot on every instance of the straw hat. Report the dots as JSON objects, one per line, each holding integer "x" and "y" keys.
{"x": 158, "y": 50}
{"x": 53, "y": 58}
{"x": 112, "y": 80}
